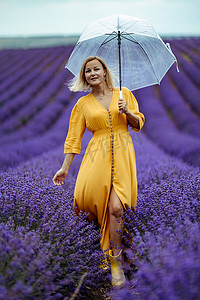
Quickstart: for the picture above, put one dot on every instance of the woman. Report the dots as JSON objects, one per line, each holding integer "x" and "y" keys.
{"x": 106, "y": 182}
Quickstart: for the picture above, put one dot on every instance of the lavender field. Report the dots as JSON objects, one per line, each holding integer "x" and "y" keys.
{"x": 46, "y": 251}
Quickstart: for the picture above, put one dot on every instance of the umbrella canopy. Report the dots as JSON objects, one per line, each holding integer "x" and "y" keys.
{"x": 130, "y": 47}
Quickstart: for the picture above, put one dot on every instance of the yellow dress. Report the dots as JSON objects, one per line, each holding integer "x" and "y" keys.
{"x": 109, "y": 159}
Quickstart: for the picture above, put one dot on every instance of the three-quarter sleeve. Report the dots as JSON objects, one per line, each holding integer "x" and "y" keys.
{"x": 133, "y": 107}
{"x": 77, "y": 126}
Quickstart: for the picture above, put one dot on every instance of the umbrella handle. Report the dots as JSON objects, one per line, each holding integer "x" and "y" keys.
{"x": 121, "y": 97}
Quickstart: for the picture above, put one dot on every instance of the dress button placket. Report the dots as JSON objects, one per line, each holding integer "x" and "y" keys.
{"x": 112, "y": 145}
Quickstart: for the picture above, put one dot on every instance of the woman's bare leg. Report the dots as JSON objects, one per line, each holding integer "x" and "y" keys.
{"x": 115, "y": 211}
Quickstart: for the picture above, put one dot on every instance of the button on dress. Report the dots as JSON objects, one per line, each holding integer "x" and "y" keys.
{"x": 109, "y": 159}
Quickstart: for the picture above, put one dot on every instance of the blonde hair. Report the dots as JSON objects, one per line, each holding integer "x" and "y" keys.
{"x": 79, "y": 83}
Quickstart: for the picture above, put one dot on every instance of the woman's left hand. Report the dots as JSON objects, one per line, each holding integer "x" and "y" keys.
{"x": 123, "y": 105}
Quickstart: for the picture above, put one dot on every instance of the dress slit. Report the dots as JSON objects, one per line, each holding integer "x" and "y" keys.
{"x": 105, "y": 228}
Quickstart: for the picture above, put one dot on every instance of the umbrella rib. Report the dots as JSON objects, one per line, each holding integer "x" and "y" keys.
{"x": 107, "y": 40}
{"x": 105, "y": 25}
{"x": 124, "y": 37}
{"x": 149, "y": 61}
{"x": 131, "y": 24}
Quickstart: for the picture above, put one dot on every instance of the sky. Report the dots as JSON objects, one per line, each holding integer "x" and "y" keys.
{"x": 26, "y": 18}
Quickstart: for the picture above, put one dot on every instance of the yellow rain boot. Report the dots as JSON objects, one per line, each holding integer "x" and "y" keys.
{"x": 116, "y": 269}
{"x": 104, "y": 264}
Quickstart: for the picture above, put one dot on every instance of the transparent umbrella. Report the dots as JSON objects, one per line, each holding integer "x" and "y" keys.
{"x": 130, "y": 47}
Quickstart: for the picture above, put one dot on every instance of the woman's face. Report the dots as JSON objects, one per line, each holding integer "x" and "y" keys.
{"x": 94, "y": 73}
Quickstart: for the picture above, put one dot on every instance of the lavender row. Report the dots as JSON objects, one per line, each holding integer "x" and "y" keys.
{"x": 187, "y": 49}
{"x": 26, "y": 96}
{"x": 14, "y": 153}
{"x": 8, "y": 59}
{"x": 167, "y": 271}
{"x": 23, "y": 78}
{"x": 19, "y": 68}
{"x": 183, "y": 117}
{"x": 187, "y": 88}
{"x": 31, "y": 108}
{"x": 163, "y": 132}
{"x": 164, "y": 229}
{"x": 190, "y": 69}
{"x": 43, "y": 238}
{"x": 191, "y": 54}
{"x": 27, "y": 80}
{"x": 41, "y": 122}
{"x": 41, "y": 62}
{"x": 191, "y": 44}
{"x": 19, "y": 60}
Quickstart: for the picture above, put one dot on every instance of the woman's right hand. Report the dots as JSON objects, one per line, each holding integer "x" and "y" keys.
{"x": 59, "y": 177}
